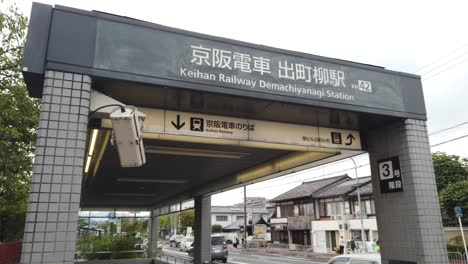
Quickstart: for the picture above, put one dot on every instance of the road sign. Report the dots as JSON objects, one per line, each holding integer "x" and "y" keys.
{"x": 390, "y": 175}
{"x": 458, "y": 211}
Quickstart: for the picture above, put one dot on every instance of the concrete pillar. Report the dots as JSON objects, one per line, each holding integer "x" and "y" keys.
{"x": 409, "y": 222}
{"x": 52, "y": 218}
{"x": 289, "y": 237}
{"x": 153, "y": 234}
{"x": 202, "y": 250}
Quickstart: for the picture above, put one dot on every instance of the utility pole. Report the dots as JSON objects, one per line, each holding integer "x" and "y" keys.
{"x": 364, "y": 246}
{"x": 245, "y": 217}
{"x": 459, "y": 214}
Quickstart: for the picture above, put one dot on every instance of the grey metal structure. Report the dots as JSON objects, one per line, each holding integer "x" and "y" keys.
{"x": 70, "y": 52}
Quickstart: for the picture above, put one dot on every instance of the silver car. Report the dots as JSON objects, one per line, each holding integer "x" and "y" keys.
{"x": 219, "y": 250}
{"x": 356, "y": 259}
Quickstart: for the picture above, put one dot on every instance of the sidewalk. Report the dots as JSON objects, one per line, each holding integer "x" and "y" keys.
{"x": 289, "y": 253}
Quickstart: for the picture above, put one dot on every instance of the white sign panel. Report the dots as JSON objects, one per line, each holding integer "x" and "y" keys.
{"x": 223, "y": 127}
{"x": 191, "y": 124}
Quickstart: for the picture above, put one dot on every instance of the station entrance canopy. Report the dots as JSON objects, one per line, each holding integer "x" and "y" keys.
{"x": 219, "y": 112}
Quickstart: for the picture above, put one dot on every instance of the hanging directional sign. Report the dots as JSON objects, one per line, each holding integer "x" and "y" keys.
{"x": 390, "y": 175}
{"x": 224, "y": 127}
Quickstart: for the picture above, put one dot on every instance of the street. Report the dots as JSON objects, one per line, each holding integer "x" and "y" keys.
{"x": 237, "y": 256}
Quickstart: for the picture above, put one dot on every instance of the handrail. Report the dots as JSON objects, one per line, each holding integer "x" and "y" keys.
{"x": 164, "y": 255}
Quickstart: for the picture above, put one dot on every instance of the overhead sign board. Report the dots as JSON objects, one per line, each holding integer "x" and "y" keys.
{"x": 390, "y": 175}
{"x": 224, "y": 127}
{"x": 118, "y": 48}
{"x": 186, "y": 58}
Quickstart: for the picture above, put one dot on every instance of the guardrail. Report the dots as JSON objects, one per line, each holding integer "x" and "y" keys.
{"x": 457, "y": 258}
{"x": 174, "y": 258}
{"x": 142, "y": 252}
{"x": 10, "y": 252}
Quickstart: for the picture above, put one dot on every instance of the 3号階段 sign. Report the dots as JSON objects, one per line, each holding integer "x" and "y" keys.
{"x": 390, "y": 175}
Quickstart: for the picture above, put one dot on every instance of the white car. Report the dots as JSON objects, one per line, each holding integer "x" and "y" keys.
{"x": 186, "y": 244}
{"x": 356, "y": 259}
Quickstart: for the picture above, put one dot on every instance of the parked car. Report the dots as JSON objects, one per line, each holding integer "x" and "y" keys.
{"x": 186, "y": 244}
{"x": 175, "y": 240}
{"x": 219, "y": 249}
{"x": 356, "y": 259}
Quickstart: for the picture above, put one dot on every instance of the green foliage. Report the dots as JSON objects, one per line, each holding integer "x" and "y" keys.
{"x": 216, "y": 229}
{"x": 19, "y": 117}
{"x": 187, "y": 218}
{"x": 163, "y": 221}
{"x": 449, "y": 169}
{"x": 90, "y": 244}
{"x": 455, "y": 248}
{"x": 454, "y": 194}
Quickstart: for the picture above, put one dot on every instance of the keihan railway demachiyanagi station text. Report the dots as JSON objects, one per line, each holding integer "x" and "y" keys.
{"x": 286, "y": 88}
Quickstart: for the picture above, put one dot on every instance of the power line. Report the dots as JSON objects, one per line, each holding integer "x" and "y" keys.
{"x": 446, "y": 63}
{"x": 450, "y": 140}
{"x": 311, "y": 178}
{"x": 442, "y": 57}
{"x": 437, "y": 73}
{"x": 448, "y": 128}
{"x": 340, "y": 171}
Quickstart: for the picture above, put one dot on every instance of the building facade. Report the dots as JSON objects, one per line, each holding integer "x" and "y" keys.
{"x": 317, "y": 213}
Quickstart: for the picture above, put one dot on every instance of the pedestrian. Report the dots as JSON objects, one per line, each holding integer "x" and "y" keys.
{"x": 378, "y": 246}
{"x": 374, "y": 246}
{"x": 342, "y": 243}
{"x": 353, "y": 245}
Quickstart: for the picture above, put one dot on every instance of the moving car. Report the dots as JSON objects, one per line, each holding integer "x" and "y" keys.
{"x": 186, "y": 244}
{"x": 219, "y": 249}
{"x": 175, "y": 240}
{"x": 356, "y": 259}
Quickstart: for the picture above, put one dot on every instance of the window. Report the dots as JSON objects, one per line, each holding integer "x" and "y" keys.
{"x": 239, "y": 217}
{"x": 361, "y": 261}
{"x": 356, "y": 234}
{"x": 334, "y": 208}
{"x": 221, "y": 218}
{"x": 278, "y": 211}
{"x": 296, "y": 210}
{"x": 347, "y": 210}
{"x": 370, "y": 207}
{"x": 340, "y": 261}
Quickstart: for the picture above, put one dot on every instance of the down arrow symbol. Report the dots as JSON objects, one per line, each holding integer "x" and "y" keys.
{"x": 178, "y": 125}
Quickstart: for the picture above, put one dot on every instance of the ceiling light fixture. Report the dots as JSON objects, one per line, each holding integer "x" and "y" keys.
{"x": 91, "y": 149}
{"x": 145, "y": 180}
{"x": 196, "y": 152}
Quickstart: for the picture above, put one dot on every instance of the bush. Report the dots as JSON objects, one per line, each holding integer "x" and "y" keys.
{"x": 216, "y": 229}
{"x": 455, "y": 248}
{"x": 88, "y": 245}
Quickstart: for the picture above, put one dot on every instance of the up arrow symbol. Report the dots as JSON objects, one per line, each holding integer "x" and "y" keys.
{"x": 178, "y": 125}
{"x": 350, "y": 138}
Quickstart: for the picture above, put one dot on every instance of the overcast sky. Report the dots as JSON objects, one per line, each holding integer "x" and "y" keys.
{"x": 428, "y": 38}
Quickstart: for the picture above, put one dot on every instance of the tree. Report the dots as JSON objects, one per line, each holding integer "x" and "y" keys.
{"x": 449, "y": 169}
{"x": 187, "y": 218}
{"x": 216, "y": 229}
{"x": 19, "y": 117}
{"x": 454, "y": 194}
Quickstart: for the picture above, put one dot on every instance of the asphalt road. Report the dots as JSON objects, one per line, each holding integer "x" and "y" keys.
{"x": 240, "y": 257}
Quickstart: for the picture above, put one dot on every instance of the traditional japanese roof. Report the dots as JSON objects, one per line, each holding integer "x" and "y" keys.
{"x": 307, "y": 189}
{"x": 238, "y": 210}
{"x": 366, "y": 189}
{"x": 236, "y": 225}
{"x": 343, "y": 188}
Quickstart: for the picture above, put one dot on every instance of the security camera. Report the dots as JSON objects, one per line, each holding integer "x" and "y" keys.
{"x": 127, "y": 124}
